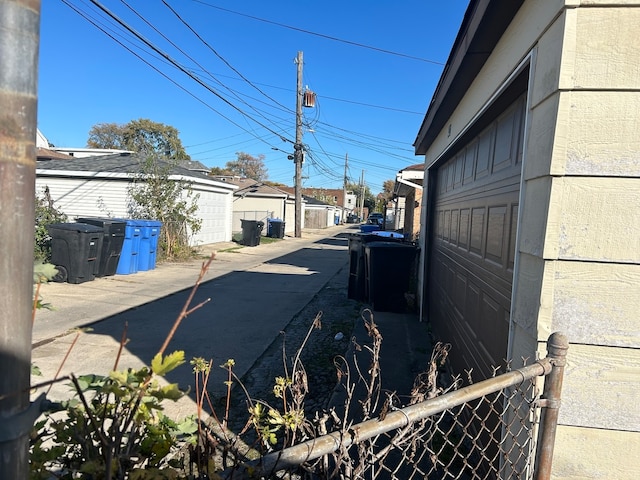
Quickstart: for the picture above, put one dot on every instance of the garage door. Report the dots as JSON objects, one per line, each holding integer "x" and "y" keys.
{"x": 472, "y": 244}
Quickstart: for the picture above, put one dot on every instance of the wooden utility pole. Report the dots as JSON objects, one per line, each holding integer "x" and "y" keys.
{"x": 344, "y": 183}
{"x": 19, "y": 41}
{"x": 362, "y": 196}
{"x": 298, "y": 154}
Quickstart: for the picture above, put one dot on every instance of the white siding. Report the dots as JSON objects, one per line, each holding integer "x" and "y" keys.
{"x": 87, "y": 196}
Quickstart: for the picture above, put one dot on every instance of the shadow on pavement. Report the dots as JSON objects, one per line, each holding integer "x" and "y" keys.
{"x": 246, "y": 311}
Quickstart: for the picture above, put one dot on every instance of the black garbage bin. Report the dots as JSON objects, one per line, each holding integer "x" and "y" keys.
{"x": 251, "y": 232}
{"x": 357, "y": 288}
{"x": 75, "y": 251}
{"x": 112, "y": 241}
{"x": 390, "y": 270}
{"x": 275, "y": 228}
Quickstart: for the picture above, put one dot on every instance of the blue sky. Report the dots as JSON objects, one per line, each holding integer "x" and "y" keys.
{"x": 373, "y": 78}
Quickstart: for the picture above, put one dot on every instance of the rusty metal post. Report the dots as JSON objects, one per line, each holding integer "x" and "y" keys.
{"x": 557, "y": 346}
{"x": 19, "y": 42}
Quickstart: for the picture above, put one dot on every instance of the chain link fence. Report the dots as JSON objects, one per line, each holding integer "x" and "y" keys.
{"x": 488, "y": 430}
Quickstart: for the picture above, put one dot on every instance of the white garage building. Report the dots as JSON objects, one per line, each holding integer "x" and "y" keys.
{"x": 99, "y": 187}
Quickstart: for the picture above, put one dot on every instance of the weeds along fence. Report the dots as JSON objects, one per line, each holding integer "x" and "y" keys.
{"x": 487, "y": 430}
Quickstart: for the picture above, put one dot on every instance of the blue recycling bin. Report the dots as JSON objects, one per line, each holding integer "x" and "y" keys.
{"x": 148, "y": 244}
{"x": 275, "y": 228}
{"x": 130, "y": 253}
{"x": 368, "y": 228}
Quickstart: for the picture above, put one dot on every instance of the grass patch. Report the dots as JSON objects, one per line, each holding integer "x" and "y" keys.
{"x": 231, "y": 249}
{"x": 268, "y": 240}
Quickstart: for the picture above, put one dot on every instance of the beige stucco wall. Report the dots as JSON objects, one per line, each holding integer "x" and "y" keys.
{"x": 578, "y": 252}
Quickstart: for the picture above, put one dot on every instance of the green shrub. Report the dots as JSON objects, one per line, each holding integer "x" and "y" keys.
{"x": 46, "y": 214}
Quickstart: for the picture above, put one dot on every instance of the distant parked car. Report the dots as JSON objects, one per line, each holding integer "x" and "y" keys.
{"x": 376, "y": 218}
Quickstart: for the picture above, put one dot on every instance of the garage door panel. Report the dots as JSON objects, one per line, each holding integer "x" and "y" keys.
{"x": 496, "y": 237}
{"x": 472, "y": 247}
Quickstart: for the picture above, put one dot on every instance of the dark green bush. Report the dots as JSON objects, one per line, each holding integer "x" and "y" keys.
{"x": 46, "y": 214}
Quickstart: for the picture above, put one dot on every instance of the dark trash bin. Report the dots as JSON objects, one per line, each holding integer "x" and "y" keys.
{"x": 251, "y": 232}
{"x": 113, "y": 230}
{"x": 390, "y": 270}
{"x": 75, "y": 251}
{"x": 150, "y": 230}
{"x": 128, "y": 262}
{"x": 275, "y": 228}
{"x": 357, "y": 288}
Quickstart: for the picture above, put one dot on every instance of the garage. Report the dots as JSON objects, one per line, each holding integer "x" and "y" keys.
{"x": 474, "y": 214}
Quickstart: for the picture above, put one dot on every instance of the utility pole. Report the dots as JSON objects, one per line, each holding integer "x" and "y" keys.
{"x": 297, "y": 150}
{"x": 344, "y": 183}
{"x": 19, "y": 41}
{"x": 362, "y": 195}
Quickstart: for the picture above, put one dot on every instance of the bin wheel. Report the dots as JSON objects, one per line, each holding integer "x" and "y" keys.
{"x": 62, "y": 274}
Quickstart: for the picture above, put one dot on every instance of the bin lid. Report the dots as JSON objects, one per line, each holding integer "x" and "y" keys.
{"x": 101, "y": 221}
{"x": 133, "y": 222}
{"x": 75, "y": 227}
{"x": 387, "y": 234}
{"x": 382, "y": 244}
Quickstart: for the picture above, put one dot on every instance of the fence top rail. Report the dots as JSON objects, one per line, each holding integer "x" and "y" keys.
{"x": 326, "y": 444}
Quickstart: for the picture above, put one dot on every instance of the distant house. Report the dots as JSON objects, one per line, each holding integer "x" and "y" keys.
{"x": 407, "y": 189}
{"x": 195, "y": 166}
{"x": 98, "y": 186}
{"x": 254, "y": 200}
{"x": 531, "y": 211}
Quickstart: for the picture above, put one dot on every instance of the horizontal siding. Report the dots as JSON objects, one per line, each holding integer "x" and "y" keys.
{"x": 600, "y": 137}
{"x": 601, "y": 388}
{"x": 588, "y": 296}
{"x": 78, "y": 197}
{"x": 605, "y": 47}
{"x": 594, "y": 219}
{"x": 87, "y": 197}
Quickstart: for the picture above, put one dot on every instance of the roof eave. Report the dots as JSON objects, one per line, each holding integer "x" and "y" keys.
{"x": 482, "y": 27}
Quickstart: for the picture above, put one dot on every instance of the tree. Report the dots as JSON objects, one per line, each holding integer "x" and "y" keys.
{"x": 106, "y": 135}
{"x": 220, "y": 171}
{"x": 46, "y": 214}
{"x": 248, "y": 166}
{"x": 157, "y": 197}
{"x": 387, "y": 189}
{"x": 386, "y": 195}
{"x": 359, "y": 191}
{"x": 143, "y": 136}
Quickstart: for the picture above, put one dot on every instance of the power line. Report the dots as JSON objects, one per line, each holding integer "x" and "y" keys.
{"x": 322, "y": 35}
{"x": 182, "y": 69}
{"x": 220, "y": 56}
{"x": 374, "y": 106}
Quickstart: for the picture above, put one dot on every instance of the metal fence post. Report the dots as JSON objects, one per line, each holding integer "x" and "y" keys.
{"x": 557, "y": 346}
